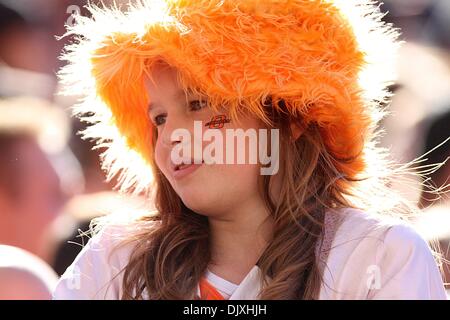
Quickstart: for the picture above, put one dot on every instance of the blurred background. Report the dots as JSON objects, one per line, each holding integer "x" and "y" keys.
{"x": 51, "y": 183}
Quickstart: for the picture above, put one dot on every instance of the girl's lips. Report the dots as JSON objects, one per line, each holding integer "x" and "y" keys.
{"x": 185, "y": 170}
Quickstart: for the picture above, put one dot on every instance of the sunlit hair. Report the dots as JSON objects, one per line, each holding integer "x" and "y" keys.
{"x": 172, "y": 251}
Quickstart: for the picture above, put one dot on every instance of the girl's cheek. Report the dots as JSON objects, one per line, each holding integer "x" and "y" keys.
{"x": 159, "y": 157}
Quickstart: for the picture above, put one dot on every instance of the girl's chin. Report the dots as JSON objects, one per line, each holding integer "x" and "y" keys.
{"x": 198, "y": 204}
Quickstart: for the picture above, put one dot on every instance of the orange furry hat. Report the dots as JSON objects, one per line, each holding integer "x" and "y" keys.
{"x": 329, "y": 60}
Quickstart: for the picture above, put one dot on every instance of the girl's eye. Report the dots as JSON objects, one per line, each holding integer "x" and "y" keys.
{"x": 159, "y": 119}
{"x": 198, "y": 104}
{"x": 195, "y": 105}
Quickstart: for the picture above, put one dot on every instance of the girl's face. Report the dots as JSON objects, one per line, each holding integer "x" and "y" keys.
{"x": 209, "y": 189}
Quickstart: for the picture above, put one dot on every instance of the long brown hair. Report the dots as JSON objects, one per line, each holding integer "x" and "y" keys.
{"x": 172, "y": 252}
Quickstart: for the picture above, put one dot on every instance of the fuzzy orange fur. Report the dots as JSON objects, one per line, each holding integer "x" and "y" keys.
{"x": 313, "y": 54}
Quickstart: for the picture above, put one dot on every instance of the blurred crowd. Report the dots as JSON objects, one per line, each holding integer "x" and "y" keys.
{"x": 51, "y": 182}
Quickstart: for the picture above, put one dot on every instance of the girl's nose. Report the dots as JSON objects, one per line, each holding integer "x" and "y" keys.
{"x": 169, "y": 135}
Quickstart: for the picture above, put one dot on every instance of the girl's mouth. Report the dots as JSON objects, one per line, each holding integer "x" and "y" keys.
{"x": 184, "y": 169}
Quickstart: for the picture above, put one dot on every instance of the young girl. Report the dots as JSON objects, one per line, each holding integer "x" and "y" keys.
{"x": 310, "y": 79}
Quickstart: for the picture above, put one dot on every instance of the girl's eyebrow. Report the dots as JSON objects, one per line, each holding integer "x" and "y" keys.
{"x": 178, "y": 96}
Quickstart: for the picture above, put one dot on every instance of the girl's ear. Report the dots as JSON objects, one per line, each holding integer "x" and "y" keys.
{"x": 296, "y": 130}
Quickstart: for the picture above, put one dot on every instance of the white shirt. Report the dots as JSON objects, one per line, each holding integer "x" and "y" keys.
{"x": 369, "y": 258}
{"x": 223, "y": 286}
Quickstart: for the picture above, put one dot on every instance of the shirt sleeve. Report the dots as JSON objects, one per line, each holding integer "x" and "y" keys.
{"x": 406, "y": 268}
{"x": 94, "y": 274}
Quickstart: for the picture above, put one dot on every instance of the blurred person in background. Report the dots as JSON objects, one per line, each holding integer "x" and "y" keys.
{"x": 24, "y": 42}
{"x": 37, "y": 172}
{"x": 33, "y": 136}
{"x": 21, "y": 58}
{"x": 23, "y": 276}
{"x": 37, "y": 169}
{"x": 29, "y": 30}
{"x": 28, "y": 62}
